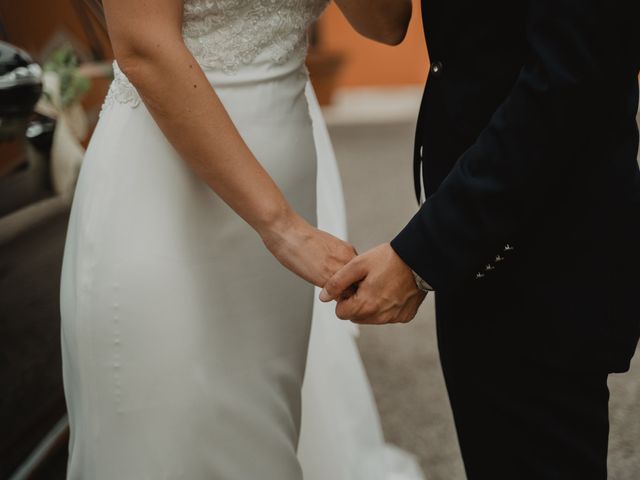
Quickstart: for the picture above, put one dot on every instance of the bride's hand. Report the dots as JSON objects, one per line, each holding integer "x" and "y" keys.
{"x": 307, "y": 251}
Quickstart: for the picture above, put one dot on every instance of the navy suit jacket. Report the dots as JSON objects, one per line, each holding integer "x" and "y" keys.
{"x": 527, "y": 142}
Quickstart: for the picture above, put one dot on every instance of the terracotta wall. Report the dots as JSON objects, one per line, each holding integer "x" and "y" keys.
{"x": 30, "y": 24}
{"x": 370, "y": 63}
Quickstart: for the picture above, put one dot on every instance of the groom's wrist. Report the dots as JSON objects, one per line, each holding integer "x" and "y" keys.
{"x": 413, "y": 247}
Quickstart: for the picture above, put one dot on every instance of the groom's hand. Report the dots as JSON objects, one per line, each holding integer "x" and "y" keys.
{"x": 386, "y": 289}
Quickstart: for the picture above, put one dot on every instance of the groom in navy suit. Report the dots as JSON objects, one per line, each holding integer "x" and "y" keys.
{"x": 530, "y": 232}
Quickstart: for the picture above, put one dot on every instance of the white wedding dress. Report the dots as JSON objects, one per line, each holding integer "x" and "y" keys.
{"x": 184, "y": 341}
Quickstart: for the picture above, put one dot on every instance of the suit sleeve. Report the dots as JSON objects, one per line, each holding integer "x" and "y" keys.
{"x": 499, "y": 182}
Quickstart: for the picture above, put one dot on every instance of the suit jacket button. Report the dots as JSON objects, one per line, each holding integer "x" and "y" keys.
{"x": 436, "y": 68}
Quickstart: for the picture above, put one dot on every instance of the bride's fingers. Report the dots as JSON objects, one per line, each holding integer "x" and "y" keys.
{"x": 350, "y": 274}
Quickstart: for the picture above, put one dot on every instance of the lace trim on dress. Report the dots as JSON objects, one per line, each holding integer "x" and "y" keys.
{"x": 120, "y": 91}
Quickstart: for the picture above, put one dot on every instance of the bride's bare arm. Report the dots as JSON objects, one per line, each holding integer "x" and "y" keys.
{"x": 148, "y": 45}
{"x": 384, "y": 21}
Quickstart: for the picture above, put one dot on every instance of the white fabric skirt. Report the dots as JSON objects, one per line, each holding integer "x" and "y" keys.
{"x": 184, "y": 340}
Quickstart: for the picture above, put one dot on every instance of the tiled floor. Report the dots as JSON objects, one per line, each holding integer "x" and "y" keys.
{"x": 402, "y": 361}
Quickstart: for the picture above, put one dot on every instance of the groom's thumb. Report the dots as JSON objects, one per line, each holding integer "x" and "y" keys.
{"x": 342, "y": 280}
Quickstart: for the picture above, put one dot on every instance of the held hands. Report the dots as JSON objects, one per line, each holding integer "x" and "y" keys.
{"x": 386, "y": 289}
{"x": 307, "y": 251}
{"x": 374, "y": 288}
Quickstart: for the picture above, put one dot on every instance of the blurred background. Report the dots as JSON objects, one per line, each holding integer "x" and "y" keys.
{"x": 48, "y": 108}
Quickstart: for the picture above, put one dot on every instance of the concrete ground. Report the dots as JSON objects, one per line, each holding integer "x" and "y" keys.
{"x": 402, "y": 361}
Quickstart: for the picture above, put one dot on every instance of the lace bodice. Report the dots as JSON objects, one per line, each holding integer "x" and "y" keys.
{"x": 224, "y": 35}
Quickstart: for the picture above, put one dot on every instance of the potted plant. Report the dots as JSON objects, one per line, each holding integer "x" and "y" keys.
{"x": 64, "y": 87}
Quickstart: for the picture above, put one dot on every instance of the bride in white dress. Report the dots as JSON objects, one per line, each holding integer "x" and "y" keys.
{"x": 184, "y": 337}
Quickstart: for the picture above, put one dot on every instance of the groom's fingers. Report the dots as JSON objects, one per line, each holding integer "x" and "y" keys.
{"x": 343, "y": 280}
{"x": 359, "y": 308}
{"x": 347, "y": 308}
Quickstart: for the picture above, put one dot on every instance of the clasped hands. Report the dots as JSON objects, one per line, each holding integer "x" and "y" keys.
{"x": 376, "y": 287}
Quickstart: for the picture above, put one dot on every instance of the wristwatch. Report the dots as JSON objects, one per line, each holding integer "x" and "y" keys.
{"x": 421, "y": 284}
